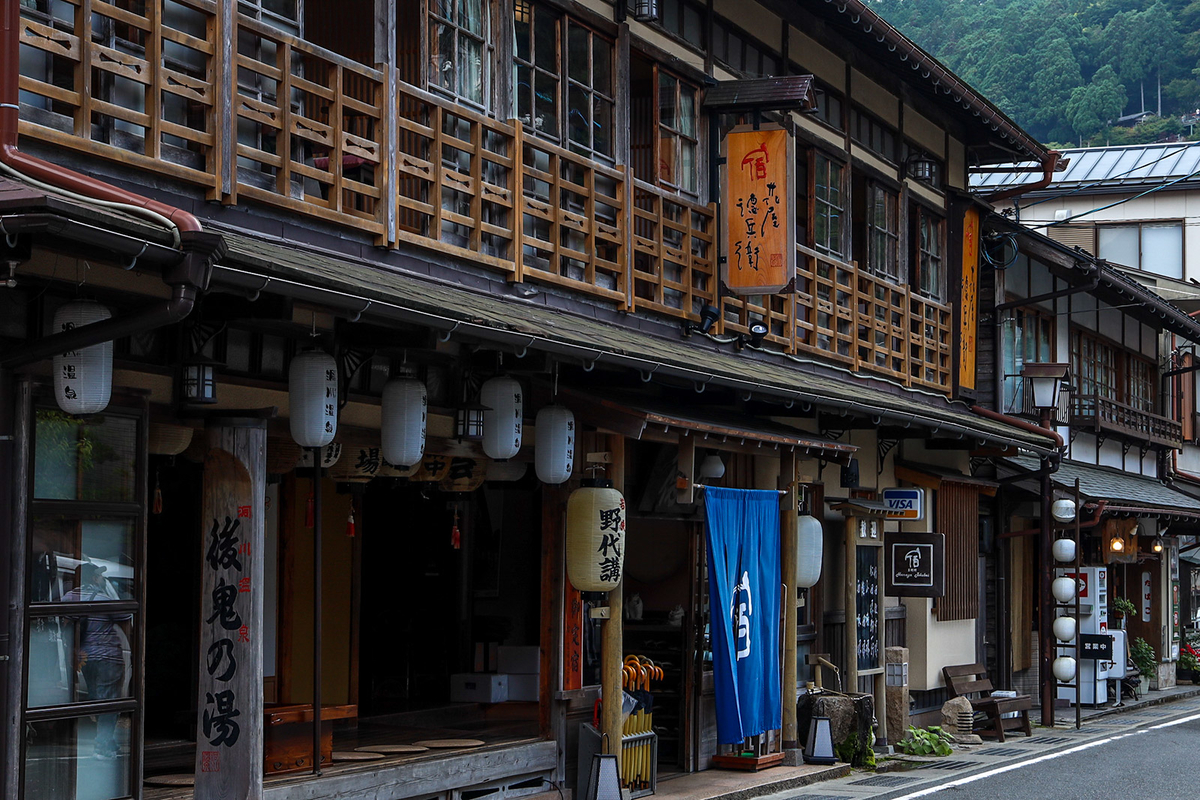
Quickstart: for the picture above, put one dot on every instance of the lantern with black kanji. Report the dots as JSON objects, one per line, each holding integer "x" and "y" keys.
{"x": 403, "y": 421}
{"x": 595, "y": 536}
{"x": 313, "y": 398}
{"x": 503, "y": 419}
{"x": 554, "y": 444}
{"x": 82, "y": 377}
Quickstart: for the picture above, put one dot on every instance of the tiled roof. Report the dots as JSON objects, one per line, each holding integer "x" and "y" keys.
{"x": 1115, "y": 486}
{"x": 1108, "y": 168}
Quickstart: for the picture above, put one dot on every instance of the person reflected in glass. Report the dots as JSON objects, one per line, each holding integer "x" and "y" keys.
{"x": 101, "y": 653}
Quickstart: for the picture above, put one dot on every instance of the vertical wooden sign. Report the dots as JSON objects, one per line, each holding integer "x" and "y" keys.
{"x": 572, "y": 637}
{"x": 969, "y": 300}
{"x": 759, "y": 223}
{"x": 229, "y": 740}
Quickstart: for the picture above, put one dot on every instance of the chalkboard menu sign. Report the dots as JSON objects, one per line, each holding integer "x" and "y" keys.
{"x": 866, "y": 608}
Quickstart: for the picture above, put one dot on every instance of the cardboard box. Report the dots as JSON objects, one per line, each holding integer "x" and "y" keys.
{"x": 477, "y": 688}
{"x": 519, "y": 660}
{"x": 522, "y": 688}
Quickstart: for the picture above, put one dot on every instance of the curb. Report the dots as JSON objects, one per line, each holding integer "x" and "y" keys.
{"x": 764, "y": 789}
{"x": 1147, "y": 703}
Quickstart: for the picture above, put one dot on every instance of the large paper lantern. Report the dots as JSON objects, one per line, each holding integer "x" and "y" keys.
{"x": 1064, "y": 669}
{"x": 503, "y": 419}
{"x": 1063, "y": 589}
{"x": 554, "y": 444}
{"x": 1064, "y": 629}
{"x": 331, "y": 454}
{"x": 595, "y": 536}
{"x": 82, "y": 377}
{"x": 1063, "y": 510}
{"x": 1064, "y": 550}
{"x": 810, "y": 542}
{"x": 403, "y": 421}
{"x": 313, "y": 398}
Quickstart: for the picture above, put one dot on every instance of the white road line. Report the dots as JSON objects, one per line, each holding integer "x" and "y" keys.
{"x": 1048, "y": 757}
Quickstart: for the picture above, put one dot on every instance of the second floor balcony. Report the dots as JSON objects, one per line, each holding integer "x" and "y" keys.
{"x": 239, "y": 110}
{"x": 1107, "y": 417}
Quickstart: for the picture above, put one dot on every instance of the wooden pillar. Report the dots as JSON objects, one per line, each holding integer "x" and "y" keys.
{"x": 552, "y": 606}
{"x": 229, "y": 740}
{"x": 788, "y": 559}
{"x": 612, "y": 644}
{"x": 851, "y": 682}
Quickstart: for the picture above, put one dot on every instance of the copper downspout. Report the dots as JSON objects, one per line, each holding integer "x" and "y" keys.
{"x": 1049, "y": 165}
{"x": 1019, "y": 423}
{"x": 10, "y": 98}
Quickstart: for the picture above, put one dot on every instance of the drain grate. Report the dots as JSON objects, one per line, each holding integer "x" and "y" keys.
{"x": 1050, "y": 740}
{"x": 1002, "y": 751}
{"x": 949, "y": 765}
{"x": 883, "y": 780}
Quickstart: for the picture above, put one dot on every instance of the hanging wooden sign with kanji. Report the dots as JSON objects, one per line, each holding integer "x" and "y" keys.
{"x": 759, "y": 224}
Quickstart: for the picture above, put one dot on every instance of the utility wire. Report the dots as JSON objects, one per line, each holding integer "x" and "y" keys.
{"x": 1149, "y": 191}
{"x": 1085, "y": 187}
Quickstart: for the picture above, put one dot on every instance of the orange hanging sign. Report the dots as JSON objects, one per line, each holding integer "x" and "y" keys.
{"x": 759, "y": 221}
{"x": 969, "y": 300}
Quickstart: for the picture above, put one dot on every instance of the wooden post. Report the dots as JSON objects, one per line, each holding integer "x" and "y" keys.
{"x": 788, "y": 559}
{"x": 229, "y": 751}
{"x": 851, "y": 682}
{"x": 612, "y": 644}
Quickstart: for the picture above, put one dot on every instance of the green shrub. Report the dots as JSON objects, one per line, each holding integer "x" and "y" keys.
{"x": 1142, "y": 654}
{"x": 931, "y": 741}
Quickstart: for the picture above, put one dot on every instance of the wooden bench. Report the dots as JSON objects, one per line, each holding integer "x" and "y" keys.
{"x": 966, "y": 680}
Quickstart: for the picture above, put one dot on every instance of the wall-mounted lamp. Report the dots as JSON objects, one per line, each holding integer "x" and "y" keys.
{"x": 199, "y": 384}
{"x": 708, "y": 317}
{"x": 1116, "y": 544}
{"x": 712, "y": 466}
{"x": 644, "y": 10}
{"x": 1047, "y": 381}
{"x": 758, "y": 332}
{"x": 1157, "y": 546}
{"x": 920, "y": 167}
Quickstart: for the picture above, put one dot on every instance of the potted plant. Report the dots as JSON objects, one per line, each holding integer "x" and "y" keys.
{"x": 1142, "y": 654}
{"x": 1188, "y": 665}
{"x": 1123, "y": 609}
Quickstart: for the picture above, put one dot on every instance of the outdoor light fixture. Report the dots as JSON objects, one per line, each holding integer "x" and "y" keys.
{"x": 1116, "y": 544}
{"x": 1063, "y": 589}
{"x": 604, "y": 781}
{"x": 1064, "y": 550}
{"x": 83, "y": 376}
{"x": 712, "y": 466}
{"x": 644, "y": 10}
{"x": 468, "y": 422}
{"x": 920, "y": 167}
{"x": 199, "y": 380}
{"x": 1063, "y": 510}
{"x": 1158, "y": 544}
{"x": 708, "y": 318}
{"x": 818, "y": 748}
{"x": 758, "y": 332}
{"x": 1046, "y": 380}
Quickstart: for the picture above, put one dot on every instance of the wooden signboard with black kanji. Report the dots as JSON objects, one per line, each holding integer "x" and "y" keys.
{"x": 229, "y": 745}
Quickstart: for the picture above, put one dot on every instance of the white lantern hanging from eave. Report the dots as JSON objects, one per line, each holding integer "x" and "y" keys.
{"x": 403, "y": 421}
{"x": 595, "y": 536}
{"x": 554, "y": 444}
{"x": 313, "y": 398}
{"x": 503, "y": 420}
{"x": 1063, "y": 550}
{"x": 82, "y": 377}
{"x": 810, "y": 541}
{"x": 1063, "y": 589}
{"x": 1064, "y": 629}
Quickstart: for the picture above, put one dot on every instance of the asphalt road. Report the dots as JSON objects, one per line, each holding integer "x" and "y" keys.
{"x": 1154, "y": 755}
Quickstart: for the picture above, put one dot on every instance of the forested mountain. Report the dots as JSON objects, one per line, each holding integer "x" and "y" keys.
{"x": 1066, "y": 69}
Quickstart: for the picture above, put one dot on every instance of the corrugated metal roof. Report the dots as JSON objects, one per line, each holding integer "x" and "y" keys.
{"x": 1107, "y": 167}
{"x": 1115, "y": 486}
{"x": 790, "y": 92}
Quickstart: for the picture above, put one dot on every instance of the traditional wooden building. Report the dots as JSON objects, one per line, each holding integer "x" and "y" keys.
{"x": 449, "y": 194}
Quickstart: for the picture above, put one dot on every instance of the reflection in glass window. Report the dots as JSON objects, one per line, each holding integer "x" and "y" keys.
{"x": 1151, "y": 246}
{"x": 883, "y": 231}
{"x": 63, "y": 550}
{"x": 928, "y": 261}
{"x": 84, "y": 459}
{"x": 82, "y": 757}
{"x": 80, "y": 659}
{"x": 677, "y": 139}
{"x": 458, "y": 38}
{"x": 828, "y": 206}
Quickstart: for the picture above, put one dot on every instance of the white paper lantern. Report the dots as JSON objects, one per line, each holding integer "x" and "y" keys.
{"x": 313, "y": 398}
{"x": 809, "y": 546}
{"x": 1064, "y": 668}
{"x": 502, "y": 421}
{"x": 403, "y": 421}
{"x": 1064, "y": 550}
{"x": 1064, "y": 629}
{"x": 1063, "y": 510}
{"x": 554, "y": 444}
{"x": 1063, "y": 589}
{"x": 83, "y": 377}
{"x": 595, "y": 536}
{"x": 507, "y": 470}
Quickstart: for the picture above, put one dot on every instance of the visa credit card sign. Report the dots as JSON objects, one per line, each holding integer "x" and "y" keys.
{"x": 905, "y": 503}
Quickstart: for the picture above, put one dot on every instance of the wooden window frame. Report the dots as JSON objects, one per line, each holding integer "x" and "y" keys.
{"x": 883, "y": 241}
{"x": 485, "y": 41}
{"x": 888, "y": 146}
{"x": 664, "y": 132}
{"x": 725, "y": 32}
{"x": 922, "y": 256}
{"x": 824, "y": 203}
{"x": 594, "y": 96}
{"x": 1141, "y": 225}
{"x": 679, "y": 34}
{"x": 1024, "y": 319}
{"x": 536, "y": 12}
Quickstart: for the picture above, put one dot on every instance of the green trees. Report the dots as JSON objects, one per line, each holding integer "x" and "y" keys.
{"x": 1065, "y": 69}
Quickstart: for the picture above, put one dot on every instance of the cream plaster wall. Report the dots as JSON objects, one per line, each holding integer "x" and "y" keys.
{"x": 817, "y": 59}
{"x": 875, "y": 98}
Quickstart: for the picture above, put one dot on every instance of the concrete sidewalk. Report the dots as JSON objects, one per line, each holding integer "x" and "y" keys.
{"x": 1065, "y": 717}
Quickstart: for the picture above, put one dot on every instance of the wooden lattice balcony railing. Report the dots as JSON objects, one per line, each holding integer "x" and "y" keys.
{"x": 1105, "y": 416}
{"x": 190, "y": 90}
